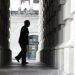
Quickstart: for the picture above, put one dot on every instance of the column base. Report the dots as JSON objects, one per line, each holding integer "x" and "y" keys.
{"x": 5, "y": 57}
{"x": 63, "y": 73}
{"x": 47, "y": 57}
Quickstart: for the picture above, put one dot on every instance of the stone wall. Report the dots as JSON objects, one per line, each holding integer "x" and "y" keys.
{"x": 58, "y": 35}
{"x": 4, "y": 32}
{"x": 53, "y": 21}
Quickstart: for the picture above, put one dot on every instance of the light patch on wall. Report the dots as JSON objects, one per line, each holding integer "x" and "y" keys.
{"x": 36, "y": 6}
{"x": 14, "y": 5}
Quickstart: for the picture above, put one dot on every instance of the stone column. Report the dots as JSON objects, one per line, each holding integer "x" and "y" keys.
{"x": 73, "y": 31}
{"x": 5, "y": 53}
{"x": 40, "y": 31}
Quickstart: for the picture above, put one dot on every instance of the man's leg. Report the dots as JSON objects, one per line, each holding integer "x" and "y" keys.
{"x": 24, "y": 54}
{"x": 19, "y": 56}
{"x": 24, "y": 57}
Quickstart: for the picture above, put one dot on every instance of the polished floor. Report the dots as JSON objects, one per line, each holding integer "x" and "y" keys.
{"x": 33, "y": 68}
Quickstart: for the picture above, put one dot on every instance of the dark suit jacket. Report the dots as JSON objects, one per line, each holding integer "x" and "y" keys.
{"x": 23, "y": 39}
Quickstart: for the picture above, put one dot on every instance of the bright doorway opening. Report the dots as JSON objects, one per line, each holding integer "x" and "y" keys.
{"x": 20, "y": 11}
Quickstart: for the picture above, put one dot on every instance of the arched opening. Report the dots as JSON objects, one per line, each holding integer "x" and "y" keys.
{"x": 25, "y": 10}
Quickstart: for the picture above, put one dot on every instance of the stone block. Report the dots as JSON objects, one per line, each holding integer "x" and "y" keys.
{"x": 5, "y": 57}
{"x": 62, "y": 2}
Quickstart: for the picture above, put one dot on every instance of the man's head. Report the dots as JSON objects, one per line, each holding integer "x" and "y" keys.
{"x": 27, "y": 23}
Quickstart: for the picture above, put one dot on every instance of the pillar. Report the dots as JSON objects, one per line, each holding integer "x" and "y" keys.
{"x": 5, "y": 53}
{"x": 40, "y": 31}
{"x": 73, "y": 31}
{"x": 52, "y": 29}
{"x": 59, "y": 35}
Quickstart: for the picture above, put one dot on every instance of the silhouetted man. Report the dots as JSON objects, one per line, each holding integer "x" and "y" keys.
{"x": 23, "y": 41}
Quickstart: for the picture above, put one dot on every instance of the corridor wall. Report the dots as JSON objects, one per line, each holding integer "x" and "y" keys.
{"x": 58, "y": 35}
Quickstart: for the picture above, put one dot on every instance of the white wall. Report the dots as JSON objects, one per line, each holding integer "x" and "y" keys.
{"x": 16, "y": 24}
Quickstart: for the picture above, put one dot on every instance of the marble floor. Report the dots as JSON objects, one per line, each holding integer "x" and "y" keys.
{"x": 33, "y": 68}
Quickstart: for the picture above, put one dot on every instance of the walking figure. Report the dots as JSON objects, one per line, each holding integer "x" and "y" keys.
{"x": 23, "y": 42}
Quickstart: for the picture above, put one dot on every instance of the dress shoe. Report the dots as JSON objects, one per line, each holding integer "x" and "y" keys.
{"x": 24, "y": 63}
{"x": 17, "y": 59}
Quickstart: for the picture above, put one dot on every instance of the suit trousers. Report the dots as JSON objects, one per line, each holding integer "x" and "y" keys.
{"x": 22, "y": 53}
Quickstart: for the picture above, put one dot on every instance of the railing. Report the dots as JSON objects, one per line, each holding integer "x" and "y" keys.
{"x": 16, "y": 13}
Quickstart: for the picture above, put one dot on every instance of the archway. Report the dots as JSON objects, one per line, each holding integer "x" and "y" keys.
{"x": 17, "y": 18}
